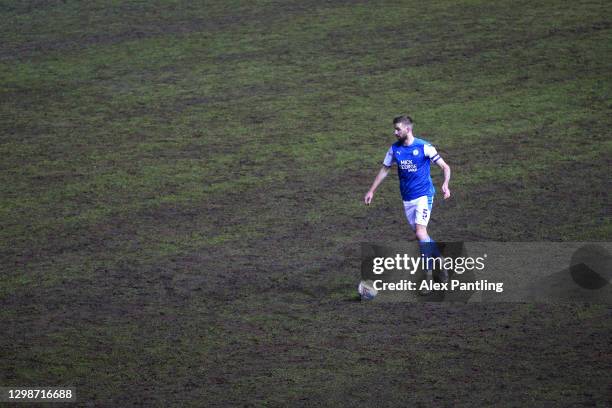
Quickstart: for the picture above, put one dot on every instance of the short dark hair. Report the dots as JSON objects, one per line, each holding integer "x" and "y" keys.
{"x": 404, "y": 120}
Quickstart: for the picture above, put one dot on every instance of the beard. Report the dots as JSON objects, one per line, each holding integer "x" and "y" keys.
{"x": 402, "y": 138}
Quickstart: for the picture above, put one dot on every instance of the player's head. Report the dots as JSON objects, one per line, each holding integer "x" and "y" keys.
{"x": 403, "y": 126}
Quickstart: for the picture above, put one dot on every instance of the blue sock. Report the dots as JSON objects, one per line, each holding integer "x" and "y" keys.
{"x": 429, "y": 251}
{"x": 435, "y": 251}
{"x": 426, "y": 253}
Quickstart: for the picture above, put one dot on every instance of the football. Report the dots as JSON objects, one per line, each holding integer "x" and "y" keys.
{"x": 366, "y": 290}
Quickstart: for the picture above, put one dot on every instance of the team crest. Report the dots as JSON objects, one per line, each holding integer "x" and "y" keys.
{"x": 415, "y": 152}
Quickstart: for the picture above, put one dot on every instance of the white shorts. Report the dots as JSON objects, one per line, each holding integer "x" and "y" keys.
{"x": 418, "y": 211}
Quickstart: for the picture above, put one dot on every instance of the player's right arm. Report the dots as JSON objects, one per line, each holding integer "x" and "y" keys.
{"x": 384, "y": 171}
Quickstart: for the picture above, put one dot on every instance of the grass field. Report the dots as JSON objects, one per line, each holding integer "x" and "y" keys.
{"x": 182, "y": 183}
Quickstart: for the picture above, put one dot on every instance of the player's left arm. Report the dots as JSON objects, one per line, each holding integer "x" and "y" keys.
{"x": 447, "y": 174}
{"x": 433, "y": 155}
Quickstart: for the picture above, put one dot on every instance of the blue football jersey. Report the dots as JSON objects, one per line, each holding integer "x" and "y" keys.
{"x": 413, "y": 165}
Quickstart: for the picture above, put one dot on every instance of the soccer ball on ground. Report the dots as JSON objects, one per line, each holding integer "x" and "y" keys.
{"x": 366, "y": 290}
